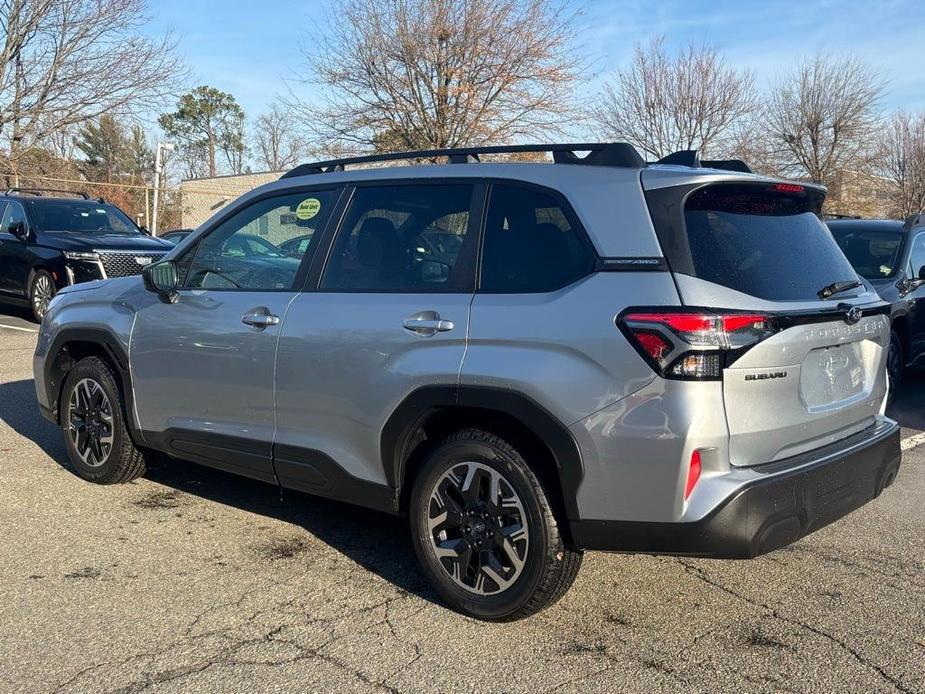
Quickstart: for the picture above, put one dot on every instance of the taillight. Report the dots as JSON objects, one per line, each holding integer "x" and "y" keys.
{"x": 693, "y": 345}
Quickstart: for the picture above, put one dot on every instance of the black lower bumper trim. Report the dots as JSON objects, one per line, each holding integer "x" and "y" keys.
{"x": 766, "y": 514}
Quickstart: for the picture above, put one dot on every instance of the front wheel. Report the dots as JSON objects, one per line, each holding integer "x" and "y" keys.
{"x": 484, "y": 531}
{"x": 41, "y": 292}
{"x": 93, "y": 420}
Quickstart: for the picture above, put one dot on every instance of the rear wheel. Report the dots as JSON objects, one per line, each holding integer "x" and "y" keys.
{"x": 484, "y": 531}
{"x": 41, "y": 292}
{"x": 92, "y": 417}
{"x": 895, "y": 365}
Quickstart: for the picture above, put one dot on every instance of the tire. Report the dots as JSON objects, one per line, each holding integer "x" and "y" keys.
{"x": 41, "y": 291}
{"x": 92, "y": 410}
{"x": 512, "y": 562}
{"x": 895, "y": 365}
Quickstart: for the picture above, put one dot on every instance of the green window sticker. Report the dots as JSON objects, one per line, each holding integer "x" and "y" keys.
{"x": 308, "y": 208}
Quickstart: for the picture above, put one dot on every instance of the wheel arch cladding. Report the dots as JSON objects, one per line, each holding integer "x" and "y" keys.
{"x": 428, "y": 415}
{"x": 69, "y": 347}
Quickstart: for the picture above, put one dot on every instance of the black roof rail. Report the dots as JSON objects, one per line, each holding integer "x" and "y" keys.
{"x": 914, "y": 220}
{"x": 618, "y": 154}
{"x": 689, "y": 157}
{"x": 39, "y": 192}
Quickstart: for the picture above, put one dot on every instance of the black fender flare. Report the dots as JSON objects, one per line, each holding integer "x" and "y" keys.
{"x": 116, "y": 353}
{"x": 396, "y": 439}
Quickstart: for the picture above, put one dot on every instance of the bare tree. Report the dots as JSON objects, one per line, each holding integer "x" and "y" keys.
{"x": 662, "y": 103}
{"x": 901, "y": 160}
{"x": 277, "y": 142}
{"x": 64, "y": 62}
{"x": 822, "y": 116}
{"x": 439, "y": 73}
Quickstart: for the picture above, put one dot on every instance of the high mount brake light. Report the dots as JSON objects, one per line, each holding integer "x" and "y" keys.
{"x": 693, "y": 345}
{"x": 789, "y": 188}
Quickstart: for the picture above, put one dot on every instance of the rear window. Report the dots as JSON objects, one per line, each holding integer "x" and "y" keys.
{"x": 872, "y": 253}
{"x": 760, "y": 241}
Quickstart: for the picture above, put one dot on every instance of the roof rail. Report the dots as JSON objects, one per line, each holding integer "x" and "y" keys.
{"x": 39, "y": 192}
{"x": 599, "y": 154}
{"x": 689, "y": 157}
{"x": 914, "y": 220}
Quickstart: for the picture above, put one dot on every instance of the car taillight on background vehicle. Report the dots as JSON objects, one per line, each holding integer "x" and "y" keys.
{"x": 693, "y": 345}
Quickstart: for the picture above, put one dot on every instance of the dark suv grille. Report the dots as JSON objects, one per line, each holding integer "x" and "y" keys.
{"x": 125, "y": 263}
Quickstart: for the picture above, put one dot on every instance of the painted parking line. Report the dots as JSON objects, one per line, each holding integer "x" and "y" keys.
{"x": 16, "y": 327}
{"x": 913, "y": 441}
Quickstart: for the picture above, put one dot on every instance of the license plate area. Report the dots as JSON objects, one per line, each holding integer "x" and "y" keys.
{"x": 833, "y": 376}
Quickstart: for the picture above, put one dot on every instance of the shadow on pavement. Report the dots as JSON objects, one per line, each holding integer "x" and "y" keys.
{"x": 909, "y": 406}
{"x": 20, "y": 312}
{"x": 20, "y": 410}
{"x": 379, "y": 542}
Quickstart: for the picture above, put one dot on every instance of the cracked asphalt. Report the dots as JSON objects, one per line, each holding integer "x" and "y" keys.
{"x": 194, "y": 580}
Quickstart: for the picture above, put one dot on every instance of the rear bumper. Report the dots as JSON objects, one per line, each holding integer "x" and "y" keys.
{"x": 791, "y": 499}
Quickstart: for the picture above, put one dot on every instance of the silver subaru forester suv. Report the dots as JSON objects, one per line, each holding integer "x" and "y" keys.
{"x": 530, "y": 360}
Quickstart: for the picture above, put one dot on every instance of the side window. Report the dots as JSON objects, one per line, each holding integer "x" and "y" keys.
{"x": 404, "y": 238}
{"x": 917, "y": 256}
{"x": 260, "y": 247}
{"x": 12, "y": 214}
{"x": 530, "y": 245}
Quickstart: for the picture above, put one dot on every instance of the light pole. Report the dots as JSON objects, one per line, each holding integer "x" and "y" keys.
{"x": 158, "y": 170}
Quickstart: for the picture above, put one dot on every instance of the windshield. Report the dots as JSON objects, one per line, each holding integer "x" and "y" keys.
{"x": 80, "y": 215}
{"x": 761, "y": 241}
{"x": 873, "y": 254}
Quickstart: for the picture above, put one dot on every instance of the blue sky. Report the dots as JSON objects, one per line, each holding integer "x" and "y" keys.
{"x": 249, "y": 48}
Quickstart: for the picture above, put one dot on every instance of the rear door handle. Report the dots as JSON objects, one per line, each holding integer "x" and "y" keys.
{"x": 427, "y": 324}
{"x": 259, "y": 319}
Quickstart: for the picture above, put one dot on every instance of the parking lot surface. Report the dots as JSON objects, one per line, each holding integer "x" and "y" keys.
{"x": 194, "y": 580}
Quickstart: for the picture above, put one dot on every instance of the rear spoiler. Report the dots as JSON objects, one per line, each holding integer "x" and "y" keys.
{"x": 689, "y": 157}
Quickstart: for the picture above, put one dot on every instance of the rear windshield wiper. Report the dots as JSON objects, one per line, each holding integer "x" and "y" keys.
{"x": 837, "y": 288}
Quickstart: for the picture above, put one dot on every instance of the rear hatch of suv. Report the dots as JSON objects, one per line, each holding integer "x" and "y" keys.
{"x": 801, "y": 341}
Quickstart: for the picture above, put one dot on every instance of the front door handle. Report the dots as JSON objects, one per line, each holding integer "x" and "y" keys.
{"x": 427, "y": 324}
{"x": 259, "y": 319}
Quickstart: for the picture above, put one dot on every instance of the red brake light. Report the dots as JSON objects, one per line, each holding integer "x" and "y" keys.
{"x": 693, "y": 474}
{"x": 690, "y": 345}
{"x": 735, "y": 322}
{"x": 789, "y": 188}
{"x": 655, "y": 346}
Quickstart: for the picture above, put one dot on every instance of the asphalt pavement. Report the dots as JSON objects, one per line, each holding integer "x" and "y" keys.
{"x": 191, "y": 579}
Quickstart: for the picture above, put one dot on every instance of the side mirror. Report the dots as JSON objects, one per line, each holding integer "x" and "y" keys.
{"x": 922, "y": 273}
{"x": 163, "y": 279}
{"x": 18, "y": 229}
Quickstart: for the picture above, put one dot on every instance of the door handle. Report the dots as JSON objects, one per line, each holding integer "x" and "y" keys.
{"x": 427, "y": 324}
{"x": 259, "y": 320}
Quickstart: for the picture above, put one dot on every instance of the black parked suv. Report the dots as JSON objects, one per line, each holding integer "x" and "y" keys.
{"x": 891, "y": 255}
{"x": 51, "y": 242}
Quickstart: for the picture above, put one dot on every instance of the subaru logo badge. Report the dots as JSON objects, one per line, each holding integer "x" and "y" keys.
{"x": 854, "y": 315}
{"x": 141, "y": 260}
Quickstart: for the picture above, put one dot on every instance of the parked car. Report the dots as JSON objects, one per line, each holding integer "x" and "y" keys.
{"x": 296, "y": 246}
{"x": 672, "y": 358}
{"x": 176, "y": 235}
{"x": 47, "y": 243}
{"x": 891, "y": 255}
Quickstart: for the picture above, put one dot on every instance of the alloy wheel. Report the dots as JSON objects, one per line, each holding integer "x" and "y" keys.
{"x": 477, "y": 528}
{"x": 42, "y": 293}
{"x": 90, "y": 422}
